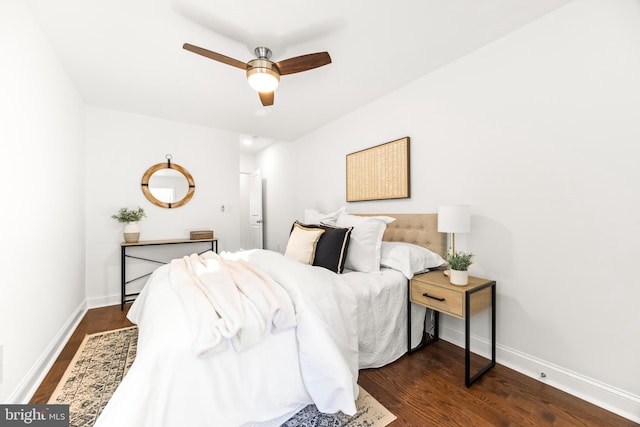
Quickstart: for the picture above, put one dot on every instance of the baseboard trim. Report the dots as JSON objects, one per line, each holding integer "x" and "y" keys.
{"x": 32, "y": 380}
{"x": 103, "y": 301}
{"x": 605, "y": 396}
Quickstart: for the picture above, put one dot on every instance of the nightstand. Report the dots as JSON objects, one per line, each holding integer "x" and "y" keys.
{"x": 433, "y": 290}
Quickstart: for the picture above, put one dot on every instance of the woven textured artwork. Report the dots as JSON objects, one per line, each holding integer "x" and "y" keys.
{"x": 380, "y": 172}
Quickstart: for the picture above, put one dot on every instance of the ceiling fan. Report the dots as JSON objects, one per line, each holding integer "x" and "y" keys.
{"x": 263, "y": 75}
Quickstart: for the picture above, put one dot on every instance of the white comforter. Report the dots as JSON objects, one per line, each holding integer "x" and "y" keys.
{"x": 171, "y": 383}
{"x": 229, "y": 303}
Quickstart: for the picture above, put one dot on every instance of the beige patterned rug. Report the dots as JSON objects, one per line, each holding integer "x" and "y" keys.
{"x": 104, "y": 358}
{"x": 95, "y": 371}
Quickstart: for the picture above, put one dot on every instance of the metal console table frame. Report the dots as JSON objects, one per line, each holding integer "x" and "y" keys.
{"x": 124, "y": 297}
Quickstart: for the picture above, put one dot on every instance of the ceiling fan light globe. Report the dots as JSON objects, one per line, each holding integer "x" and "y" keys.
{"x": 263, "y": 79}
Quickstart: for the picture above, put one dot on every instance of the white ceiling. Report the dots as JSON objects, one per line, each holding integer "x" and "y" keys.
{"x": 127, "y": 54}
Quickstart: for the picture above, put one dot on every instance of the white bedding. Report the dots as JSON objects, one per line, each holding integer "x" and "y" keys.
{"x": 315, "y": 362}
{"x": 228, "y": 302}
{"x": 382, "y": 316}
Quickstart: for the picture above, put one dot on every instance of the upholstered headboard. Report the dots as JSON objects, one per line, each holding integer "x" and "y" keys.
{"x": 419, "y": 229}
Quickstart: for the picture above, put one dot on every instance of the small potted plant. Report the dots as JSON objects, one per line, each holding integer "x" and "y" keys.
{"x": 459, "y": 263}
{"x": 130, "y": 218}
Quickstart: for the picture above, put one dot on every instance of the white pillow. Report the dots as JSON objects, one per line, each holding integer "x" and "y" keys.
{"x": 312, "y": 216}
{"x": 302, "y": 243}
{"x": 386, "y": 219}
{"x": 408, "y": 259}
{"x": 364, "y": 246}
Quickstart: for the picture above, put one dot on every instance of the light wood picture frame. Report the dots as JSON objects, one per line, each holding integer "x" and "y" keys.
{"x": 380, "y": 172}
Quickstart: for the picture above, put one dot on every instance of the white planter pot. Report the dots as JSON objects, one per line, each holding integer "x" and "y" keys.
{"x": 131, "y": 232}
{"x": 459, "y": 278}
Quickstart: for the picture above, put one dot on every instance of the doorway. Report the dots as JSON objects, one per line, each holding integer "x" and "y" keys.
{"x": 252, "y": 221}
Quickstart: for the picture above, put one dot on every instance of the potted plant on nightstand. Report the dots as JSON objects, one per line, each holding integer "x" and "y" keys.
{"x": 459, "y": 263}
{"x": 130, "y": 218}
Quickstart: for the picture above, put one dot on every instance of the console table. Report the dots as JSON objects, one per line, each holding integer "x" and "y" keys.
{"x": 124, "y": 296}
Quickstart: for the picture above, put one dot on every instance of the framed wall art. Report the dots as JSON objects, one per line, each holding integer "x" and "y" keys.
{"x": 380, "y": 172}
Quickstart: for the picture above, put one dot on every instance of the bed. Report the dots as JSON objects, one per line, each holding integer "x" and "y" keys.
{"x": 308, "y": 352}
{"x": 385, "y": 304}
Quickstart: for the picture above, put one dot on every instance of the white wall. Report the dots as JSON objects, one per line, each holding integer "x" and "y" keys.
{"x": 247, "y": 163}
{"x": 41, "y": 129}
{"x": 539, "y": 132}
{"x": 120, "y": 148}
{"x": 278, "y": 166}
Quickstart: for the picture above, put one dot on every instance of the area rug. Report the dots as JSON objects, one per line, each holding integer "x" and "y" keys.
{"x": 95, "y": 371}
{"x": 370, "y": 413}
{"x": 103, "y": 359}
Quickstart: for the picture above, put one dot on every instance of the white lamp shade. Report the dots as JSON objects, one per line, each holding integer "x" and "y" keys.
{"x": 454, "y": 219}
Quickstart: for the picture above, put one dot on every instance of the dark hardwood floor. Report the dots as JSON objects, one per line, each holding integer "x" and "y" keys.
{"x": 422, "y": 389}
{"x": 427, "y": 388}
{"x": 96, "y": 320}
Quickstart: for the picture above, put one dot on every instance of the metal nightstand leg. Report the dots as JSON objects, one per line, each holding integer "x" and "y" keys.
{"x": 122, "y": 276}
{"x": 425, "y": 340}
{"x": 467, "y": 336}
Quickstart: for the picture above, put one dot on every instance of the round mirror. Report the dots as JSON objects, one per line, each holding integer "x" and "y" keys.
{"x": 168, "y": 185}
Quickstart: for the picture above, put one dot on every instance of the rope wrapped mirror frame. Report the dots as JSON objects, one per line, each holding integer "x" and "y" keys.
{"x": 164, "y": 195}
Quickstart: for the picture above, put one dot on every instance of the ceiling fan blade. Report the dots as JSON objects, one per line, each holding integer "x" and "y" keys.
{"x": 303, "y": 63}
{"x": 266, "y": 98}
{"x": 215, "y": 56}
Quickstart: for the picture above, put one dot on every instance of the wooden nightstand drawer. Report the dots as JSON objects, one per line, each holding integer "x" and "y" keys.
{"x": 442, "y": 299}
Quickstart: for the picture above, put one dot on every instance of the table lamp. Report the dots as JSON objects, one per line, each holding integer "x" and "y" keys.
{"x": 454, "y": 219}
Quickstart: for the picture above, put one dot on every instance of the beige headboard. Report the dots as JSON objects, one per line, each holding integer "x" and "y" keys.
{"x": 419, "y": 229}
